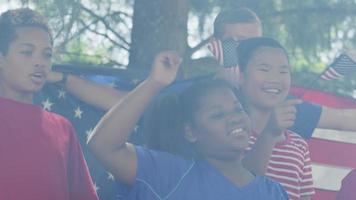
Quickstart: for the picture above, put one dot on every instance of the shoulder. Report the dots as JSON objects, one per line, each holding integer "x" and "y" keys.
{"x": 162, "y": 159}
{"x": 296, "y": 138}
{"x": 56, "y": 119}
{"x": 297, "y": 141}
{"x": 158, "y": 174}
{"x": 58, "y": 124}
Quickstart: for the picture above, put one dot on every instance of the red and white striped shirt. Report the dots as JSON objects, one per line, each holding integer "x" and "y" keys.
{"x": 290, "y": 165}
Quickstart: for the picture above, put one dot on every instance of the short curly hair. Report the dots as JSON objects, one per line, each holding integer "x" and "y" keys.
{"x": 23, "y": 17}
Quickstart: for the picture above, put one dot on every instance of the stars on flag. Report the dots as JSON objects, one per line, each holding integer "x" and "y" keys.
{"x": 135, "y": 81}
{"x": 78, "y": 113}
{"x": 89, "y": 132}
{"x": 62, "y": 93}
{"x": 97, "y": 188}
{"x": 47, "y": 105}
{"x": 111, "y": 177}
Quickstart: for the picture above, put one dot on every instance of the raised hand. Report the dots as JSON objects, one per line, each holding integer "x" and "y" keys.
{"x": 283, "y": 117}
{"x": 165, "y": 68}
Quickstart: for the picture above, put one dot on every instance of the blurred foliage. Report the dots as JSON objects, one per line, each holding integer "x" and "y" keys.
{"x": 314, "y": 31}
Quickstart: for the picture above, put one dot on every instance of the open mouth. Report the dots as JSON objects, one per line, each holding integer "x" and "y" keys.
{"x": 38, "y": 77}
{"x": 272, "y": 90}
{"x": 238, "y": 132}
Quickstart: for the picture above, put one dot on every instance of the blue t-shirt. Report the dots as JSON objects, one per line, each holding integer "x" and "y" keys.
{"x": 307, "y": 119}
{"x": 165, "y": 176}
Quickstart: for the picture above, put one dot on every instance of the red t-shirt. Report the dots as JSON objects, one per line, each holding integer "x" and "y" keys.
{"x": 40, "y": 157}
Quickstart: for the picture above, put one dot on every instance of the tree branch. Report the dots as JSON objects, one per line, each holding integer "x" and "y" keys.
{"x": 346, "y": 10}
{"x": 192, "y": 50}
{"x": 107, "y": 26}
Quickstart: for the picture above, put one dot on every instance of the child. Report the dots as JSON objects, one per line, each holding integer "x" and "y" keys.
{"x": 242, "y": 23}
{"x": 216, "y": 127}
{"x": 265, "y": 81}
{"x": 39, "y": 154}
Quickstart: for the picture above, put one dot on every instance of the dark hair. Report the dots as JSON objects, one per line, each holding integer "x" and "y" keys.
{"x": 165, "y": 120}
{"x": 12, "y": 19}
{"x": 247, "y": 49}
{"x": 163, "y": 125}
{"x": 232, "y": 16}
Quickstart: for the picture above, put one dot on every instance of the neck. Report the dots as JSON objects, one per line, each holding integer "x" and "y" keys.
{"x": 233, "y": 170}
{"x": 21, "y": 97}
{"x": 259, "y": 118}
{"x": 227, "y": 165}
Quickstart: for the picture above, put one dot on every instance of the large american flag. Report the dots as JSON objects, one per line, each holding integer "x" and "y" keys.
{"x": 84, "y": 117}
{"x": 332, "y": 151}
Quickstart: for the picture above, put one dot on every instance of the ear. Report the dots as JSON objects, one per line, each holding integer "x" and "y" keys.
{"x": 189, "y": 134}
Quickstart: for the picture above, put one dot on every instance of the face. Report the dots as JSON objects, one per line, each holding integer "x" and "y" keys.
{"x": 221, "y": 127}
{"x": 242, "y": 31}
{"x": 24, "y": 69}
{"x": 266, "y": 81}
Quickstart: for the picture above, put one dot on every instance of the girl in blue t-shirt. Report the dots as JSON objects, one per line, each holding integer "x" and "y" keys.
{"x": 216, "y": 132}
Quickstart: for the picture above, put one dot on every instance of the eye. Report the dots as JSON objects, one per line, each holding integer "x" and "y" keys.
{"x": 26, "y": 52}
{"x": 263, "y": 68}
{"x": 285, "y": 71}
{"x": 48, "y": 55}
{"x": 217, "y": 115}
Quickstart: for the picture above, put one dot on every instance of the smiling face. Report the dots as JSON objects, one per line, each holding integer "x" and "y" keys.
{"x": 24, "y": 68}
{"x": 221, "y": 127}
{"x": 266, "y": 79}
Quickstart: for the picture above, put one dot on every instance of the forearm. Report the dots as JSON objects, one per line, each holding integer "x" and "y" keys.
{"x": 338, "y": 119}
{"x": 95, "y": 94}
{"x": 256, "y": 160}
{"x": 112, "y": 131}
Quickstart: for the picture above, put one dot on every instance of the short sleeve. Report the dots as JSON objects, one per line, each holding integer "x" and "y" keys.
{"x": 81, "y": 186}
{"x": 307, "y": 185}
{"x": 307, "y": 119}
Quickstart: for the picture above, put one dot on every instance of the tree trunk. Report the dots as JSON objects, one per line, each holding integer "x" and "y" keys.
{"x": 157, "y": 25}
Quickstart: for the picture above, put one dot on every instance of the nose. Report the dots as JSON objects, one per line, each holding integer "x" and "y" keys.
{"x": 273, "y": 76}
{"x": 40, "y": 62}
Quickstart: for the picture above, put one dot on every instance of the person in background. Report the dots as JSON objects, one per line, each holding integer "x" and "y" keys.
{"x": 242, "y": 23}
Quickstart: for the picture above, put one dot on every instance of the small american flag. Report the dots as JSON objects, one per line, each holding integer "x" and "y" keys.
{"x": 224, "y": 51}
{"x": 341, "y": 66}
{"x": 215, "y": 48}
